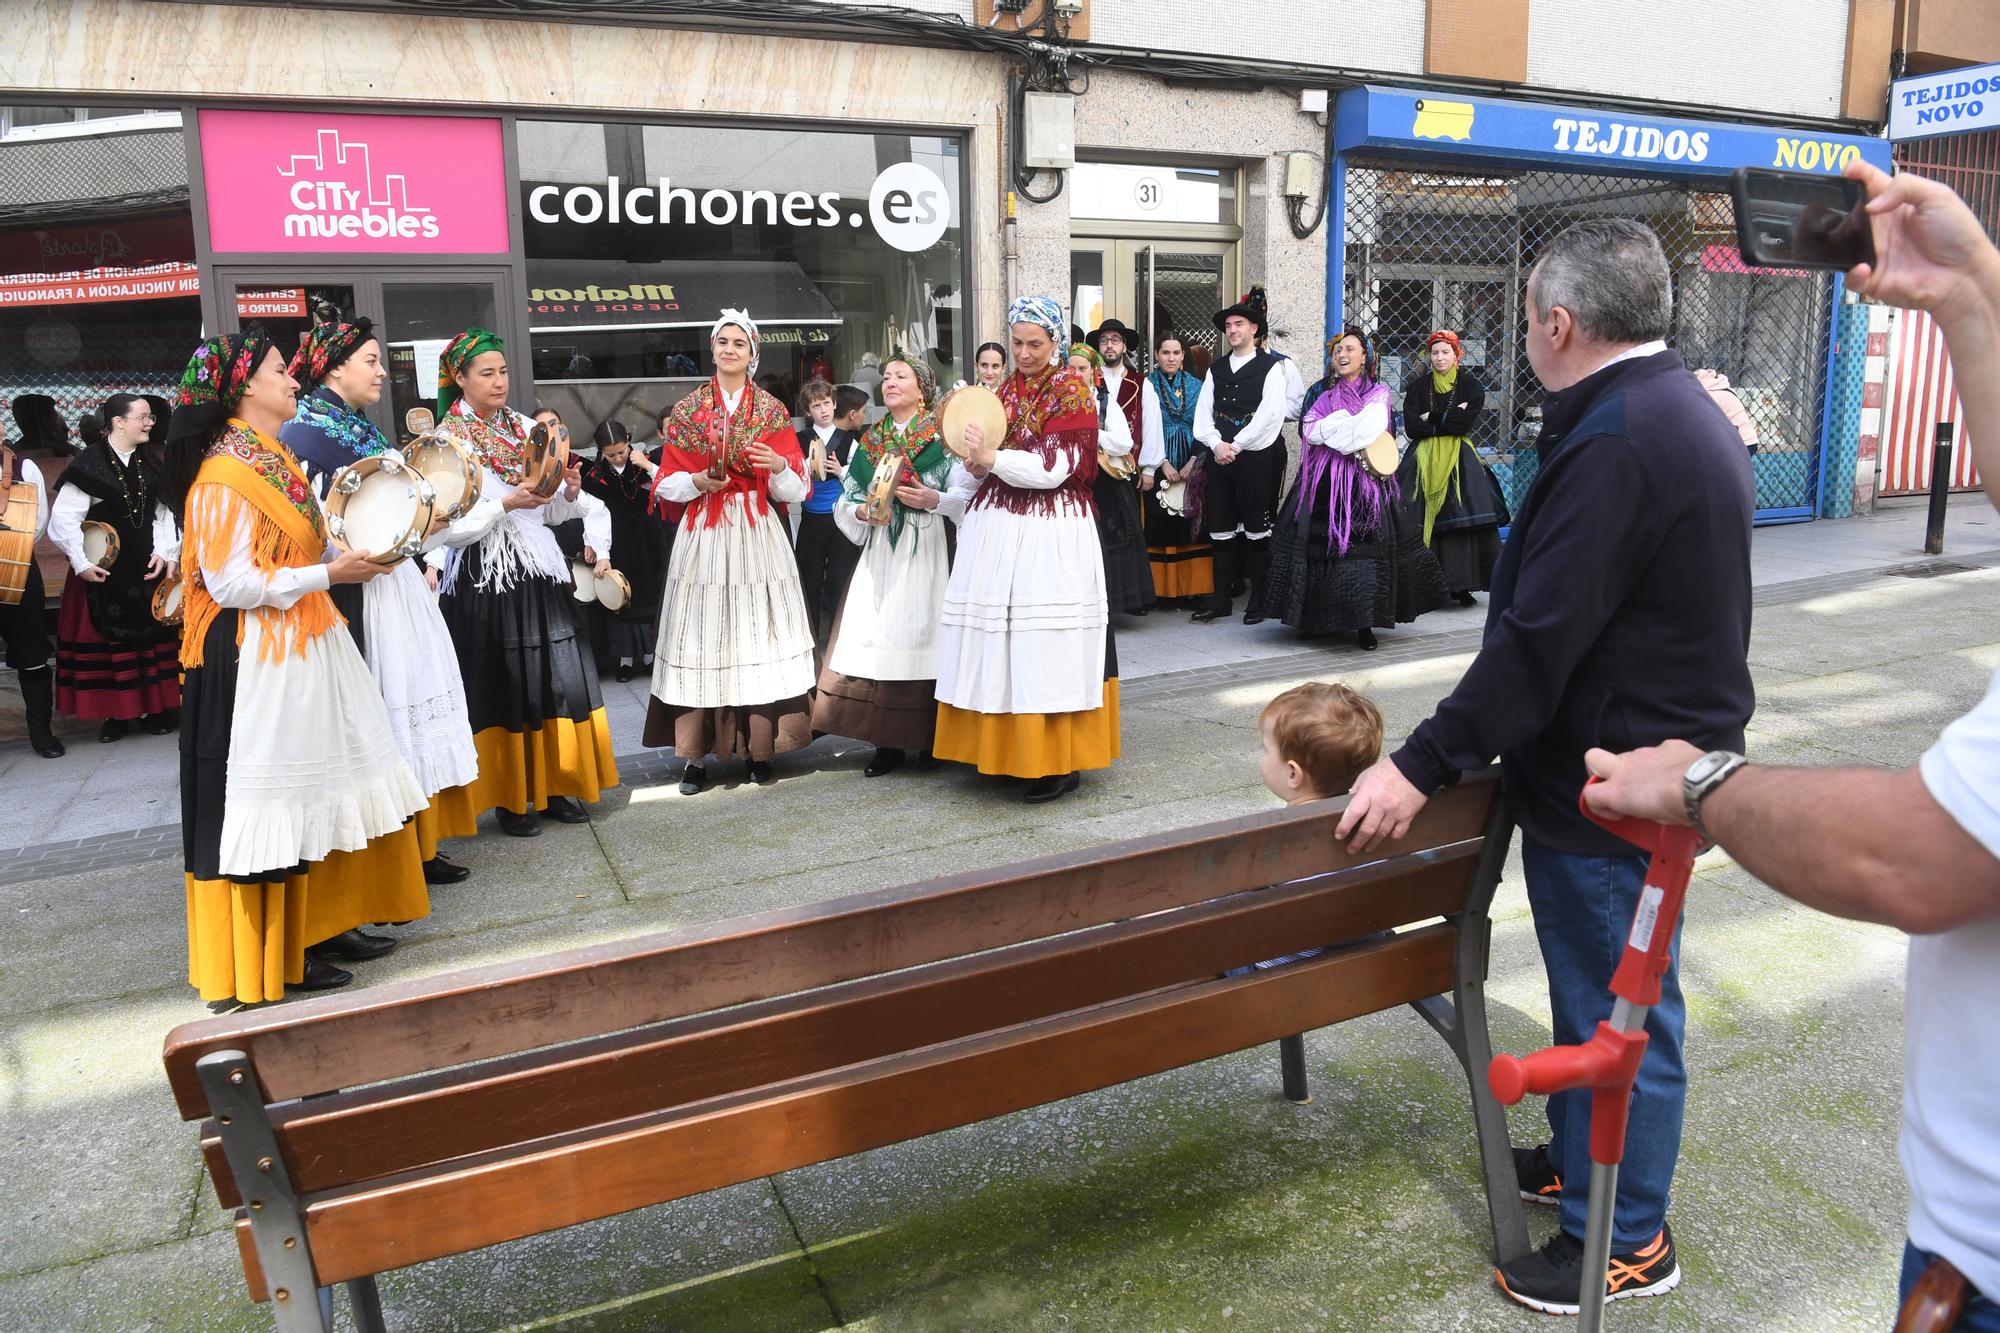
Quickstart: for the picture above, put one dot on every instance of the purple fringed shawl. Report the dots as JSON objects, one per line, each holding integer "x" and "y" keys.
{"x": 1356, "y": 501}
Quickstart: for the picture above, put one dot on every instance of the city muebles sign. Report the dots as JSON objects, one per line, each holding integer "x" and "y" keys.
{"x": 324, "y": 183}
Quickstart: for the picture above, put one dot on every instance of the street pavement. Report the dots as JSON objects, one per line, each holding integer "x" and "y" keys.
{"x": 1197, "y": 1199}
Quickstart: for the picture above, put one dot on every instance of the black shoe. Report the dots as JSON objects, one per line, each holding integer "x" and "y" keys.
{"x": 1043, "y": 790}
{"x": 887, "y": 760}
{"x": 437, "y": 870}
{"x": 1467, "y": 599}
{"x": 1144, "y": 610}
{"x": 1366, "y": 638}
{"x": 321, "y": 975}
{"x": 927, "y": 762}
{"x": 566, "y": 810}
{"x": 352, "y": 946}
{"x": 761, "y": 774}
{"x": 1211, "y": 613}
{"x": 38, "y": 693}
{"x": 516, "y": 825}
{"x": 1253, "y": 614}
{"x": 624, "y": 672}
{"x": 48, "y": 747}
{"x": 112, "y": 729}
{"x": 156, "y": 724}
{"x": 1551, "y": 1278}
{"x": 1537, "y": 1176}
{"x": 693, "y": 778}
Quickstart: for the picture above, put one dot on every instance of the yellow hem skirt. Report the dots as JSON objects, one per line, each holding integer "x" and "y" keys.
{"x": 245, "y": 941}
{"x": 520, "y": 770}
{"x": 1030, "y": 745}
{"x": 451, "y": 814}
{"x": 1182, "y": 571}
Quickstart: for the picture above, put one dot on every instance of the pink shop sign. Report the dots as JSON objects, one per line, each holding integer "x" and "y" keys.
{"x": 327, "y": 183}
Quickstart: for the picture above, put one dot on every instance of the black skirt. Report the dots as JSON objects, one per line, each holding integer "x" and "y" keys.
{"x": 1465, "y": 536}
{"x": 208, "y": 705}
{"x": 1128, "y": 574}
{"x": 521, "y": 653}
{"x": 1386, "y": 577}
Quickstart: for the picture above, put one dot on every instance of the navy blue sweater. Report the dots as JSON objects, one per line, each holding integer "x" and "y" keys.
{"x": 1620, "y": 612}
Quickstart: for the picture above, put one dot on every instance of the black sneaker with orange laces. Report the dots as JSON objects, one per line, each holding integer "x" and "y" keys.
{"x": 1537, "y": 1175}
{"x": 1551, "y": 1278}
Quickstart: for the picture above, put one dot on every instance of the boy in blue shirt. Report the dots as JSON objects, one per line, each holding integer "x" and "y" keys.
{"x": 826, "y": 558}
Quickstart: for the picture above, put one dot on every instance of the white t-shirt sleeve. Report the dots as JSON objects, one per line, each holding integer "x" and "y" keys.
{"x": 1962, "y": 770}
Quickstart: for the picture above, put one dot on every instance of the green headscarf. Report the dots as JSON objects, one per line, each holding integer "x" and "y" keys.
{"x": 458, "y": 354}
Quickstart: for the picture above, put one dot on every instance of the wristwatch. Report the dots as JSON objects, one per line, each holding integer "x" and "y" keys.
{"x": 1704, "y": 775}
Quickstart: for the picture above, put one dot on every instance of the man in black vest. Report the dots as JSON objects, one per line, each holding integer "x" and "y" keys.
{"x": 1238, "y": 421}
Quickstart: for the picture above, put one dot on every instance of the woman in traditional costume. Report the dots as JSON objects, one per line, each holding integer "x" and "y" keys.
{"x": 1183, "y": 566}
{"x": 1027, "y": 670}
{"x": 1461, "y": 505}
{"x": 880, "y": 682}
{"x": 394, "y": 619}
{"x": 115, "y": 664}
{"x": 531, "y": 689}
{"x": 621, "y": 479}
{"x": 734, "y": 662}
{"x": 989, "y": 366}
{"x": 294, "y": 795}
{"x": 1349, "y": 557}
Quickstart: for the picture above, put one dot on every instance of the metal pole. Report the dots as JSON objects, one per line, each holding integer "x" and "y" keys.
{"x": 1597, "y": 1245}
{"x": 1940, "y": 487}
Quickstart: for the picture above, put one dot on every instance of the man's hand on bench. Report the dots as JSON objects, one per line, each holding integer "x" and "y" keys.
{"x": 1379, "y": 808}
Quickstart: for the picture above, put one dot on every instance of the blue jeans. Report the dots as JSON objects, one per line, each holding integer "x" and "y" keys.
{"x": 1583, "y": 909}
{"x": 1982, "y": 1314}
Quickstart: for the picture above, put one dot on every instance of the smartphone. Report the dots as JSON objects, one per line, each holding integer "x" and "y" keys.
{"x": 1798, "y": 219}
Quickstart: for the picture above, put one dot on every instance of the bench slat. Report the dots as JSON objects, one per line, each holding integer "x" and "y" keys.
{"x": 451, "y": 1210}
{"x": 480, "y": 1013}
{"x": 339, "y": 1140}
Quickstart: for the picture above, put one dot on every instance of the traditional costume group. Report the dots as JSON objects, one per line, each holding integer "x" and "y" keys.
{"x": 734, "y": 663}
{"x": 644, "y": 543}
{"x": 1128, "y": 574}
{"x": 115, "y": 663}
{"x": 1349, "y": 556}
{"x": 1027, "y": 679}
{"x": 1243, "y": 404}
{"x": 394, "y": 619}
{"x": 531, "y": 688}
{"x": 294, "y": 794}
{"x": 1176, "y": 545}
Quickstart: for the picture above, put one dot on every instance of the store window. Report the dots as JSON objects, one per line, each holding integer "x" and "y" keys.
{"x": 98, "y": 287}
{"x": 844, "y": 247}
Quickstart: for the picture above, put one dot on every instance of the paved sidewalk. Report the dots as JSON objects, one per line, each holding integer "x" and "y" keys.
{"x": 69, "y": 808}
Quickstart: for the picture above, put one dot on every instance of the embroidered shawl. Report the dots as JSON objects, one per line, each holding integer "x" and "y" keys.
{"x": 701, "y": 430}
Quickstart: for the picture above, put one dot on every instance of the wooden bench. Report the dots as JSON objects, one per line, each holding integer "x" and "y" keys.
{"x": 360, "y": 1133}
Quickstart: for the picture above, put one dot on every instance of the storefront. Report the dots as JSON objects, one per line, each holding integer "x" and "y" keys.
{"x": 1445, "y": 201}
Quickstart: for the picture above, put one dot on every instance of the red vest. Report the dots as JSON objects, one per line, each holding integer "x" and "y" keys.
{"x": 1130, "y": 398}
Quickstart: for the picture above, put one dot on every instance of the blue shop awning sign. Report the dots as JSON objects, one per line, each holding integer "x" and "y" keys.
{"x": 1957, "y": 101}
{"x": 1455, "y": 127}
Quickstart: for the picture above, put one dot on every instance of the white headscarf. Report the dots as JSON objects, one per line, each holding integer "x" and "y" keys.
{"x": 741, "y": 319}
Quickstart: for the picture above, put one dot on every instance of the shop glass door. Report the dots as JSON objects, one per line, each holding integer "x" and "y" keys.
{"x": 419, "y": 317}
{"x": 1154, "y": 285}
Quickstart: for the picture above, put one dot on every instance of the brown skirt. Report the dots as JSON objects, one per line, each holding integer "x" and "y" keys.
{"x": 896, "y": 714}
{"x": 756, "y": 731}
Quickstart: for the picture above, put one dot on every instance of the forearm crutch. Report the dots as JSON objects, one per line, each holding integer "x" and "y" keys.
{"x": 1608, "y": 1063}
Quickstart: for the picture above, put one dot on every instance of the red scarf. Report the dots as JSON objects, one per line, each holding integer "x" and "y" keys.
{"x": 701, "y": 430}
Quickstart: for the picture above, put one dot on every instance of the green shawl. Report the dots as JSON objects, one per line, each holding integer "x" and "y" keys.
{"x": 1437, "y": 459}
{"x": 918, "y": 442}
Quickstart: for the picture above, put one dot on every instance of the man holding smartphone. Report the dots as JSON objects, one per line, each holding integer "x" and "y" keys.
{"x": 1917, "y": 849}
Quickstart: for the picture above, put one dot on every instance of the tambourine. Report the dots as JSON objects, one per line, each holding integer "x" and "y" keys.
{"x": 614, "y": 590}
{"x": 1171, "y": 497}
{"x": 816, "y": 458}
{"x": 1119, "y": 467}
{"x": 451, "y": 468}
{"x": 379, "y": 505}
{"x": 881, "y": 505}
{"x": 548, "y": 457}
{"x": 167, "y": 602}
{"x": 971, "y": 405}
{"x": 1379, "y": 459}
{"x": 100, "y": 543}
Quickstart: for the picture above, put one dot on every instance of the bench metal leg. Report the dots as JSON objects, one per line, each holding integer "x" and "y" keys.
{"x": 366, "y": 1304}
{"x": 1292, "y": 1062}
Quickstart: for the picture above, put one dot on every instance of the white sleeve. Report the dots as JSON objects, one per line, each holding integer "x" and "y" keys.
{"x": 66, "y": 523}
{"x": 473, "y": 525}
{"x": 789, "y": 486}
{"x": 1152, "y": 434}
{"x": 1269, "y": 419}
{"x": 1962, "y": 770}
{"x": 848, "y": 520}
{"x": 241, "y": 586}
{"x": 1115, "y": 438}
{"x": 1020, "y": 467}
{"x": 33, "y": 476}
{"x": 1295, "y": 390}
{"x": 1204, "y": 414}
{"x": 595, "y": 514}
{"x": 1358, "y": 430}
{"x": 959, "y": 488}
{"x": 676, "y": 487}
{"x": 166, "y": 537}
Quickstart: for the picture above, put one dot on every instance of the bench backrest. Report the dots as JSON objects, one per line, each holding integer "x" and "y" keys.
{"x": 503, "y": 1101}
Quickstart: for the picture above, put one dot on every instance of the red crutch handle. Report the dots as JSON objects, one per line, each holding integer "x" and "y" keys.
{"x": 1649, "y": 942}
{"x": 1607, "y": 1064}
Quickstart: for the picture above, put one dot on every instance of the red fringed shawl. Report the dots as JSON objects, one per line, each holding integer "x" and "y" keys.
{"x": 700, "y": 429}
{"x": 1052, "y": 415}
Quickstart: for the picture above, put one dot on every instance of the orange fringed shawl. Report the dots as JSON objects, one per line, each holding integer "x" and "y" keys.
{"x": 243, "y": 467}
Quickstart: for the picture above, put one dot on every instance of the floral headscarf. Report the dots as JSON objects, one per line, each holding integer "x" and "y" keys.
{"x": 741, "y": 319}
{"x": 1041, "y": 311}
{"x": 1088, "y": 353}
{"x": 324, "y": 348}
{"x": 458, "y": 354}
{"x": 221, "y": 367}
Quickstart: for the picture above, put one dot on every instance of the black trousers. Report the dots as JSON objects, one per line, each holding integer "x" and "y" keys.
{"x": 1242, "y": 495}
{"x": 826, "y": 562}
